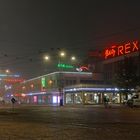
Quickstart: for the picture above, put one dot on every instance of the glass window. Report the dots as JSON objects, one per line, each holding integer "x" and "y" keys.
{"x": 69, "y": 98}
{"x": 78, "y": 98}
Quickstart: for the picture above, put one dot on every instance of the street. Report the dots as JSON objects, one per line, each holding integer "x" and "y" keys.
{"x": 35, "y": 122}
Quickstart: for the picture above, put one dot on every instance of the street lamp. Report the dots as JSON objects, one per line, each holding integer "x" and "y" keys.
{"x": 61, "y": 66}
{"x": 73, "y": 58}
{"x": 46, "y": 57}
{"x": 7, "y": 71}
{"x": 61, "y": 84}
{"x": 62, "y": 54}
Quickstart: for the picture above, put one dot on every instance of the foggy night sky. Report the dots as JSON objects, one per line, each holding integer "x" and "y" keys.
{"x": 30, "y": 28}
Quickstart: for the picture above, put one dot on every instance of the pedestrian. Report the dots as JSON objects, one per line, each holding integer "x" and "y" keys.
{"x": 105, "y": 101}
{"x": 108, "y": 103}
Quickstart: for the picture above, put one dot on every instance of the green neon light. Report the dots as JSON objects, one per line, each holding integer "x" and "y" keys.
{"x": 60, "y": 65}
{"x": 43, "y": 82}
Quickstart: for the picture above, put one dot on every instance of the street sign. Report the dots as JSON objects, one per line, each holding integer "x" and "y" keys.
{"x": 13, "y": 100}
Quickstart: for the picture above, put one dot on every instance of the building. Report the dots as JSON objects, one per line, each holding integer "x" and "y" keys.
{"x": 113, "y": 56}
{"x": 7, "y": 81}
{"x": 71, "y": 87}
{"x": 118, "y": 58}
{"x": 49, "y": 88}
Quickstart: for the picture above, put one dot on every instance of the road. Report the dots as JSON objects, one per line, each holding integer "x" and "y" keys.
{"x": 69, "y": 123}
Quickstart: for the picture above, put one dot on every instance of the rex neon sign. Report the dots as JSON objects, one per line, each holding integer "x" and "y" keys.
{"x": 120, "y": 50}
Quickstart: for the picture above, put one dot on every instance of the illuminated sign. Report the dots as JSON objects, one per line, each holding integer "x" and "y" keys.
{"x": 43, "y": 83}
{"x": 82, "y": 68}
{"x": 60, "y": 65}
{"x": 13, "y": 80}
{"x": 9, "y": 75}
{"x": 120, "y": 50}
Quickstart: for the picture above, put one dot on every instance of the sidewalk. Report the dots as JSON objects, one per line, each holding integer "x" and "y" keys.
{"x": 66, "y": 106}
{"x": 96, "y": 106}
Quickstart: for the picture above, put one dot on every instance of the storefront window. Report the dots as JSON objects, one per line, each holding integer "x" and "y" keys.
{"x": 78, "y": 98}
{"x": 43, "y": 99}
{"x": 113, "y": 97}
{"x": 91, "y": 98}
{"x": 35, "y": 99}
{"x": 69, "y": 98}
{"x": 40, "y": 99}
{"x": 55, "y": 99}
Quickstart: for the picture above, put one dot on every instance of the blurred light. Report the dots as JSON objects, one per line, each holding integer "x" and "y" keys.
{"x": 54, "y": 99}
{"x": 32, "y": 85}
{"x": 47, "y": 57}
{"x": 60, "y": 65}
{"x": 116, "y": 89}
{"x": 50, "y": 82}
{"x": 73, "y": 58}
{"x": 35, "y": 99}
{"x": 62, "y": 54}
{"x": 58, "y": 99}
{"x": 10, "y": 75}
{"x": 79, "y": 69}
{"x": 23, "y": 95}
{"x": 7, "y": 71}
{"x": 23, "y": 87}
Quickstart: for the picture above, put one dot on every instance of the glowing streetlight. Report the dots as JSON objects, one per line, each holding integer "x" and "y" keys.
{"x": 61, "y": 66}
{"x": 73, "y": 58}
{"x": 7, "y": 71}
{"x": 47, "y": 57}
{"x": 62, "y": 54}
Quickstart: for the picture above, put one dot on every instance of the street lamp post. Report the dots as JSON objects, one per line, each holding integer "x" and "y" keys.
{"x": 61, "y": 80}
{"x": 61, "y": 84}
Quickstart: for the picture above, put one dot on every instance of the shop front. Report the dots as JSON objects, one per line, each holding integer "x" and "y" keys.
{"x": 92, "y": 95}
{"x": 46, "y": 98}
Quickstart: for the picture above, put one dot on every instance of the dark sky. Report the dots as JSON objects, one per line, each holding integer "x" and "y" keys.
{"x": 30, "y": 28}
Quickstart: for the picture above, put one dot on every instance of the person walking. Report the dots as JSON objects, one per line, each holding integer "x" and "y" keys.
{"x": 106, "y": 101}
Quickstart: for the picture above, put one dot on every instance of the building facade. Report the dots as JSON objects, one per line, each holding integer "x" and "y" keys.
{"x": 115, "y": 55}
{"x": 122, "y": 60}
{"x": 49, "y": 88}
{"x": 71, "y": 87}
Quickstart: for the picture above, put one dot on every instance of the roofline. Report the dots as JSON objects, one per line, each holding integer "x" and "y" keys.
{"x": 64, "y": 72}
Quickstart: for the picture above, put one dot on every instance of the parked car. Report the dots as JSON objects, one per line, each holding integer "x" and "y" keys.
{"x": 134, "y": 101}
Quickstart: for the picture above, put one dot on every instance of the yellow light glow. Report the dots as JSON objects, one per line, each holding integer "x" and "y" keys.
{"x": 73, "y": 58}
{"x": 47, "y": 57}
{"x": 7, "y": 71}
{"x": 62, "y": 54}
{"x": 50, "y": 82}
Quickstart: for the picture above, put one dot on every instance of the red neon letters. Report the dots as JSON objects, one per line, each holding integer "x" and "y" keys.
{"x": 121, "y": 50}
